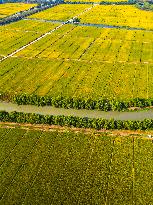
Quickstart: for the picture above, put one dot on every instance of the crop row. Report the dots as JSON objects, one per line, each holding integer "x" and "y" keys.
{"x": 20, "y": 144}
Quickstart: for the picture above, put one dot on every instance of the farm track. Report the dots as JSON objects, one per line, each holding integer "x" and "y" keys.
{"x": 45, "y": 34}
{"x": 49, "y": 110}
{"x": 32, "y": 42}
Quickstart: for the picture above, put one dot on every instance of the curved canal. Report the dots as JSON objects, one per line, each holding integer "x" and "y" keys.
{"x": 48, "y": 110}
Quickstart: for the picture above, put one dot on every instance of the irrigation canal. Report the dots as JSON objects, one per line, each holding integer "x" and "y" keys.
{"x": 48, "y": 110}
{"x": 91, "y": 24}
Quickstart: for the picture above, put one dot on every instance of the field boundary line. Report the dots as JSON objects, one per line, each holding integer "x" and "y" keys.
{"x": 99, "y": 25}
{"x": 83, "y": 60}
{"x": 45, "y": 34}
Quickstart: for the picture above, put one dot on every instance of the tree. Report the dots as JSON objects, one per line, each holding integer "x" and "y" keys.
{"x": 76, "y": 20}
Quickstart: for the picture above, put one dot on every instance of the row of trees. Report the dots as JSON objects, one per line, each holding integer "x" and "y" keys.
{"x": 129, "y": 2}
{"x": 22, "y": 14}
{"x": 63, "y": 102}
{"x": 145, "y": 6}
{"x": 78, "y": 122}
{"x": 103, "y": 2}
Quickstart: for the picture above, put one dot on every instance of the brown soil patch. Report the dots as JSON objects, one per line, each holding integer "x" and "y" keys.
{"x": 53, "y": 128}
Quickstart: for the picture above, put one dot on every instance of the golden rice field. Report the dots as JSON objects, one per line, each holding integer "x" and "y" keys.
{"x": 94, "y": 44}
{"x": 61, "y": 12}
{"x": 8, "y": 9}
{"x": 119, "y": 15}
{"x": 18, "y": 34}
{"x": 76, "y": 79}
{"x": 77, "y": 61}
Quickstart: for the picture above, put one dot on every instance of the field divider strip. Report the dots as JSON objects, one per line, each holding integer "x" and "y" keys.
{"x": 47, "y": 33}
{"x": 86, "y": 61}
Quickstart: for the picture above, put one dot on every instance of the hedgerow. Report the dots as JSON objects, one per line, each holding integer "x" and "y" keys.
{"x": 76, "y": 103}
{"x": 72, "y": 121}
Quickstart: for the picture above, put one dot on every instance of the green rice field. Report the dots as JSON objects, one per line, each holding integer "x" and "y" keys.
{"x": 43, "y": 167}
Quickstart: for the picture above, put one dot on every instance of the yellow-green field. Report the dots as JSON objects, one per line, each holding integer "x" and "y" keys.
{"x": 79, "y": 62}
{"x": 12, "y": 8}
{"x": 61, "y": 12}
{"x": 93, "y": 44}
{"x": 76, "y": 61}
{"x": 76, "y": 79}
{"x": 18, "y": 34}
{"x": 119, "y": 15}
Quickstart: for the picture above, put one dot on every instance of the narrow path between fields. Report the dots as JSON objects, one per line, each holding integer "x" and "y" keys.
{"x": 48, "y": 110}
{"x": 92, "y": 24}
{"x": 45, "y": 34}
